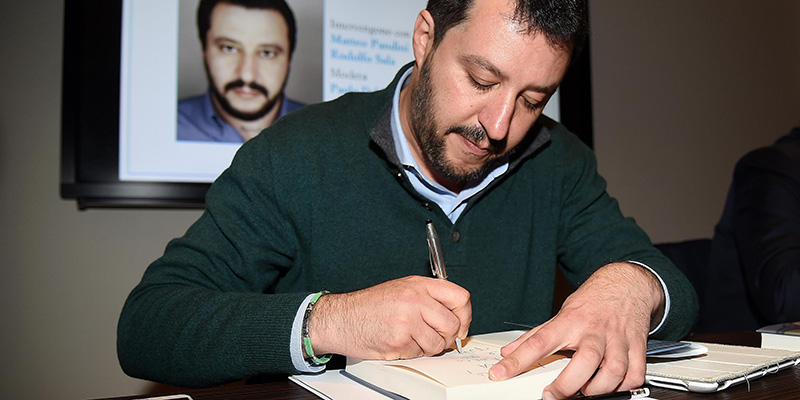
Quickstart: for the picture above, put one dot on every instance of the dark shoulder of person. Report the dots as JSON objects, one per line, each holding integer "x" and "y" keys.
{"x": 783, "y": 157}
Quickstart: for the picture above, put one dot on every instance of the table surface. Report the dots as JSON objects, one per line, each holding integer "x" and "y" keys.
{"x": 783, "y": 385}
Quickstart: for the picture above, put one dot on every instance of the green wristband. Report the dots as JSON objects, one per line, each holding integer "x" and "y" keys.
{"x": 306, "y": 340}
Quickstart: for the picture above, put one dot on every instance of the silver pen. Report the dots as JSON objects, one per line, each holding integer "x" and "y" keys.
{"x": 437, "y": 260}
{"x": 626, "y": 395}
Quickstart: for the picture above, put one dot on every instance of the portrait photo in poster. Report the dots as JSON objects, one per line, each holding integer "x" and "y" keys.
{"x": 187, "y": 134}
{"x": 247, "y": 48}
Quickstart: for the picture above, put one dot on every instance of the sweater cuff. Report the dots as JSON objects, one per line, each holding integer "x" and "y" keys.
{"x": 265, "y": 339}
{"x": 296, "y": 342}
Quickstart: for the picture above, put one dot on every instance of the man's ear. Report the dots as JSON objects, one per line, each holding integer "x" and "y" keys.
{"x": 423, "y": 37}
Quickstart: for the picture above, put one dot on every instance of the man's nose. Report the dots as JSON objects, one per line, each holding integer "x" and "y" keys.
{"x": 247, "y": 68}
{"x": 495, "y": 117}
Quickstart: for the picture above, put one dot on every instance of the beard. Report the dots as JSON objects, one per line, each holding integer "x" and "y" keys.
{"x": 432, "y": 142}
{"x": 228, "y": 108}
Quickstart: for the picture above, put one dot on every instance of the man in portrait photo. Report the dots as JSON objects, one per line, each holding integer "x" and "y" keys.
{"x": 247, "y": 48}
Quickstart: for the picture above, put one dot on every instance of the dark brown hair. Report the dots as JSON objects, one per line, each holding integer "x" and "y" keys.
{"x": 207, "y": 6}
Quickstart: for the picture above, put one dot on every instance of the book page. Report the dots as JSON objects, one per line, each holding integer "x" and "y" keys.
{"x": 472, "y": 366}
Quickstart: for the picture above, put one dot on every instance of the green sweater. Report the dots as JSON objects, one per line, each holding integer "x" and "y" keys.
{"x": 317, "y": 202}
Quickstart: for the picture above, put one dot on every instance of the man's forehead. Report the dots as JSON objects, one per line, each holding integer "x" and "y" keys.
{"x": 229, "y": 12}
{"x": 494, "y": 40}
{"x": 237, "y": 23}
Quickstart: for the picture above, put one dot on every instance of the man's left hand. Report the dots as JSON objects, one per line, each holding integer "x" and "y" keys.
{"x": 606, "y": 322}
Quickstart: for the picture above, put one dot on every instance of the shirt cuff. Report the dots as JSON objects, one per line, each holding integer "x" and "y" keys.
{"x": 666, "y": 295}
{"x": 296, "y": 341}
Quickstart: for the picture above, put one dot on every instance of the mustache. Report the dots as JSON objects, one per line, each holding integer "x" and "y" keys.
{"x": 252, "y": 85}
{"x": 476, "y": 134}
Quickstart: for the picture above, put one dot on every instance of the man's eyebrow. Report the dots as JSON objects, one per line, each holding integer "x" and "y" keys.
{"x": 485, "y": 64}
{"x": 270, "y": 45}
{"x": 225, "y": 39}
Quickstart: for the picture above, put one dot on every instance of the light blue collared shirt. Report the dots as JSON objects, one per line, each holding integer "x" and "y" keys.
{"x": 198, "y": 120}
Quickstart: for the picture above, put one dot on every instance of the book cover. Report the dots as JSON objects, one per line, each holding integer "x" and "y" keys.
{"x": 459, "y": 376}
{"x": 781, "y": 336}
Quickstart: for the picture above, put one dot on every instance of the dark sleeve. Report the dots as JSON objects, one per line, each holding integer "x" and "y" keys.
{"x": 594, "y": 233}
{"x": 766, "y": 226}
{"x": 203, "y": 313}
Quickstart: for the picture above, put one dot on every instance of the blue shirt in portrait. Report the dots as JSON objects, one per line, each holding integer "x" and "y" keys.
{"x": 199, "y": 121}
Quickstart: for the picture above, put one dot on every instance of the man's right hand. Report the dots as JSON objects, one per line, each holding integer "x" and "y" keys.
{"x": 403, "y": 318}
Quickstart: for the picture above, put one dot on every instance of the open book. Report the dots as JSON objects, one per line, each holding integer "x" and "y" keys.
{"x": 459, "y": 376}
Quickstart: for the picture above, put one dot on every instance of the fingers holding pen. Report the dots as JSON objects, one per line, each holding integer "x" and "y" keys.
{"x": 458, "y": 302}
{"x": 404, "y": 318}
{"x": 434, "y": 311}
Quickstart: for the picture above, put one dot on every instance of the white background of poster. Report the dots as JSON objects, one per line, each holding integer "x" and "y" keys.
{"x": 162, "y": 62}
{"x": 364, "y": 50}
{"x": 342, "y": 45}
{"x": 149, "y": 150}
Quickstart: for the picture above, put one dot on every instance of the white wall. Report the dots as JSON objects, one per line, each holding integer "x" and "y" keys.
{"x": 679, "y": 95}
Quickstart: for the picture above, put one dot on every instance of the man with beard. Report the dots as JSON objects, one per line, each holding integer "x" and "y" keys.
{"x": 247, "y": 47}
{"x": 336, "y": 198}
